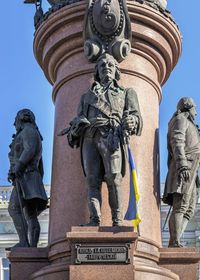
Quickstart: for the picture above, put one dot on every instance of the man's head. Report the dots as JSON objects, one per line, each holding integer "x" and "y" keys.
{"x": 22, "y": 117}
{"x": 186, "y": 104}
{"x": 106, "y": 69}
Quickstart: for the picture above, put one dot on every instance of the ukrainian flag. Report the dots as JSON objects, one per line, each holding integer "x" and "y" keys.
{"x": 132, "y": 212}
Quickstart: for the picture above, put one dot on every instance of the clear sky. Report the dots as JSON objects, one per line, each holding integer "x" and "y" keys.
{"x": 23, "y": 84}
{"x": 185, "y": 77}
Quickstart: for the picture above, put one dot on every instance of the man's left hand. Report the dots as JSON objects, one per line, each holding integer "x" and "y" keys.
{"x": 130, "y": 123}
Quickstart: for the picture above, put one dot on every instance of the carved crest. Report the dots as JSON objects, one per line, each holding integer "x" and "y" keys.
{"x": 107, "y": 29}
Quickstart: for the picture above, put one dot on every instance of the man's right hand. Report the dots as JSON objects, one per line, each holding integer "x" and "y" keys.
{"x": 129, "y": 123}
{"x": 11, "y": 177}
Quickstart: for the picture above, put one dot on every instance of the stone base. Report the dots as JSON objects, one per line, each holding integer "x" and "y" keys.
{"x": 100, "y": 237}
{"x": 101, "y": 272}
{"x": 182, "y": 261}
{"x": 95, "y": 253}
{"x": 144, "y": 256}
{"x": 146, "y": 262}
{"x": 67, "y": 269}
{"x": 25, "y": 261}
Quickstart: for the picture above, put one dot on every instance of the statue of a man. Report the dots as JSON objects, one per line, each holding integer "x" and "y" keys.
{"x": 107, "y": 115}
{"x": 28, "y": 198}
{"x": 183, "y": 163}
{"x": 160, "y": 3}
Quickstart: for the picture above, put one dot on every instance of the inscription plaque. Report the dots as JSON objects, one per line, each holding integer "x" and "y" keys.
{"x": 102, "y": 253}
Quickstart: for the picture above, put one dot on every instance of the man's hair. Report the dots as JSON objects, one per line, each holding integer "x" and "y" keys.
{"x": 26, "y": 116}
{"x": 110, "y": 57}
{"x": 185, "y": 104}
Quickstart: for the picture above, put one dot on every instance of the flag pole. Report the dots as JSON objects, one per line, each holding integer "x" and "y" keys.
{"x": 138, "y": 230}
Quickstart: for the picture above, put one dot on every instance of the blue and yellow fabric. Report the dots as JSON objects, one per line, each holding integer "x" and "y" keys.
{"x": 132, "y": 212}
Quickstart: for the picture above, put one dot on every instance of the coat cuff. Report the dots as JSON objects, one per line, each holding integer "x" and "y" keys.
{"x": 181, "y": 164}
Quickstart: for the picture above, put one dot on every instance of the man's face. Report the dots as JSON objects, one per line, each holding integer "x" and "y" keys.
{"x": 193, "y": 112}
{"x": 17, "y": 123}
{"x": 106, "y": 69}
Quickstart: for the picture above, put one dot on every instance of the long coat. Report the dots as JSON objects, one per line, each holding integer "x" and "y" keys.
{"x": 183, "y": 142}
{"x": 93, "y": 105}
{"x": 26, "y": 147}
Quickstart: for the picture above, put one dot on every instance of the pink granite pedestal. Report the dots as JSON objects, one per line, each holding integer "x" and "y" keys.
{"x": 155, "y": 50}
{"x": 25, "y": 261}
{"x": 142, "y": 262}
{"x": 145, "y": 259}
{"x": 101, "y": 272}
{"x": 182, "y": 261}
{"x": 101, "y": 237}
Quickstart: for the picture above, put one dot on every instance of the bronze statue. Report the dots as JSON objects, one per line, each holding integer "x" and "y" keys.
{"x": 183, "y": 163}
{"x": 107, "y": 115}
{"x": 28, "y": 198}
{"x": 38, "y": 17}
{"x": 157, "y": 4}
{"x": 56, "y": 4}
{"x": 160, "y": 3}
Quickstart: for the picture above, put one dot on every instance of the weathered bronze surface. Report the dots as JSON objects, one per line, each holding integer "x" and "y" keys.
{"x": 28, "y": 198}
{"x": 157, "y": 4}
{"x": 107, "y": 29}
{"x": 183, "y": 142}
{"x": 107, "y": 115}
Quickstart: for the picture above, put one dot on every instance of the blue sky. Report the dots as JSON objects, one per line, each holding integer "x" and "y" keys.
{"x": 185, "y": 77}
{"x": 23, "y": 84}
